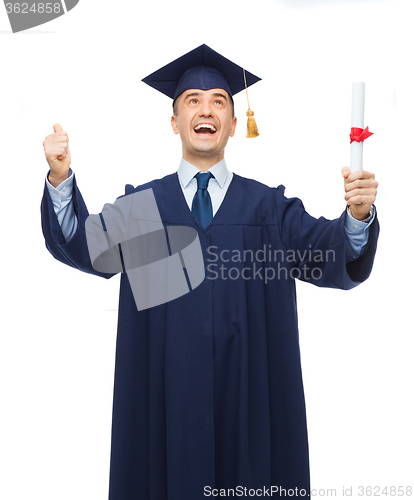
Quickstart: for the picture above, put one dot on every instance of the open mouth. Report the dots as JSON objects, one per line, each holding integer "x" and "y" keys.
{"x": 205, "y": 128}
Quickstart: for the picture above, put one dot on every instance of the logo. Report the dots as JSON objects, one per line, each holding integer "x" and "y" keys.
{"x": 162, "y": 263}
{"x": 27, "y": 14}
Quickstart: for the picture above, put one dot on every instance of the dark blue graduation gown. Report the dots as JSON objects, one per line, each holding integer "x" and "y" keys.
{"x": 208, "y": 387}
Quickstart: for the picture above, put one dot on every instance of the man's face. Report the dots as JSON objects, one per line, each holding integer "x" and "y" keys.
{"x": 204, "y": 119}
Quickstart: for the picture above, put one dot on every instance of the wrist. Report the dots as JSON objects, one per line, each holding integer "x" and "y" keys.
{"x": 364, "y": 217}
{"x": 55, "y": 180}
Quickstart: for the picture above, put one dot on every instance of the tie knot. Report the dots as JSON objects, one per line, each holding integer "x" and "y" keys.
{"x": 202, "y": 179}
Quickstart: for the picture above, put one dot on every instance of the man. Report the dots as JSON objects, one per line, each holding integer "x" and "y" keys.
{"x": 208, "y": 394}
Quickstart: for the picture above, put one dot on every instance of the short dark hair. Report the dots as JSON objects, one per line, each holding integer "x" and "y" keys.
{"x": 174, "y": 104}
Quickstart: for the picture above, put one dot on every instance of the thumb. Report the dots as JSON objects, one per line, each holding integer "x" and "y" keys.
{"x": 57, "y": 127}
{"x": 346, "y": 172}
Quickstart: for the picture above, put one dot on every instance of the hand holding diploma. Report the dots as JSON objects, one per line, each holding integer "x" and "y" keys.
{"x": 57, "y": 154}
{"x": 360, "y": 191}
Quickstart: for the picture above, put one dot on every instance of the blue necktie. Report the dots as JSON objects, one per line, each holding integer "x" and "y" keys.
{"x": 202, "y": 208}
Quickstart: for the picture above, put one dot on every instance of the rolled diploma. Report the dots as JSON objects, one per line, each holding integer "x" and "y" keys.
{"x": 357, "y": 120}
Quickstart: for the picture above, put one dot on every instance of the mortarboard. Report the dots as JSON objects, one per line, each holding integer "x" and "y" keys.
{"x": 203, "y": 68}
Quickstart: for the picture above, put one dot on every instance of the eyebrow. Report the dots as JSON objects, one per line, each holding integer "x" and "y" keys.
{"x": 217, "y": 94}
{"x": 192, "y": 94}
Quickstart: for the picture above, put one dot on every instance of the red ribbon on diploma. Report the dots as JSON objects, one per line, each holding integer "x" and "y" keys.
{"x": 359, "y": 135}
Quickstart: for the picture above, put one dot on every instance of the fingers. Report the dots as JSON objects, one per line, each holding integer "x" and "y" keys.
{"x": 366, "y": 197}
{"x": 345, "y": 172}
{"x": 56, "y": 144}
{"x": 361, "y": 184}
{"x": 359, "y": 174}
{"x": 56, "y": 151}
{"x": 57, "y": 154}
{"x": 361, "y": 187}
{"x": 58, "y": 136}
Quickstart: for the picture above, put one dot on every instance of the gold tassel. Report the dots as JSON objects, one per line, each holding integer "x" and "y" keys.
{"x": 252, "y": 130}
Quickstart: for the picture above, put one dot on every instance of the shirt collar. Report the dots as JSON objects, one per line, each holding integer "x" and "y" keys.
{"x": 186, "y": 171}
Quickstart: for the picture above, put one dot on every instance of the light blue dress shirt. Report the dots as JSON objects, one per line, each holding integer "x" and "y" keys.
{"x": 357, "y": 231}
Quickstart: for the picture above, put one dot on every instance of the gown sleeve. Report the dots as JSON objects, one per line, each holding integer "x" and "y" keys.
{"x": 73, "y": 252}
{"x": 318, "y": 246}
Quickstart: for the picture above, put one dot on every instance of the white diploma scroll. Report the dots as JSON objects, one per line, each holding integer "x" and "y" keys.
{"x": 357, "y": 120}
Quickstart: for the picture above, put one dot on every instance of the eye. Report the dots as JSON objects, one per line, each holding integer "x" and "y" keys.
{"x": 219, "y": 102}
{"x": 193, "y": 101}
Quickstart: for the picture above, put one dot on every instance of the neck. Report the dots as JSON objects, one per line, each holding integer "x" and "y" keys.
{"x": 203, "y": 163}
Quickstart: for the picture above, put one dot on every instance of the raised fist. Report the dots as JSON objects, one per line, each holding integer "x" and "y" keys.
{"x": 57, "y": 154}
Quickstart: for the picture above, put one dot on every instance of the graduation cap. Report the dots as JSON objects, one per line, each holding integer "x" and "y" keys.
{"x": 203, "y": 68}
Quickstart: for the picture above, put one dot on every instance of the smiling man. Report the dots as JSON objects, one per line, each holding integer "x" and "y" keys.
{"x": 208, "y": 393}
{"x": 205, "y": 121}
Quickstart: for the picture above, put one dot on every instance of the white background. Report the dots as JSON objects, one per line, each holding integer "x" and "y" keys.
{"x": 58, "y": 326}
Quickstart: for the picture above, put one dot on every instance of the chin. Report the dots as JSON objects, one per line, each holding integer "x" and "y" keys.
{"x": 203, "y": 147}
{"x": 211, "y": 151}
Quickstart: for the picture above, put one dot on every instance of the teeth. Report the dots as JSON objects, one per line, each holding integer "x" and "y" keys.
{"x": 205, "y": 125}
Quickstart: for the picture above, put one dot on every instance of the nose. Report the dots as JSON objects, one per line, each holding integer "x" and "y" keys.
{"x": 205, "y": 110}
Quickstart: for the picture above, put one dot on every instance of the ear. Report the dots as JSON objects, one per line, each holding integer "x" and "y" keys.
{"x": 174, "y": 124}
{"x": 233, "y": 126}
